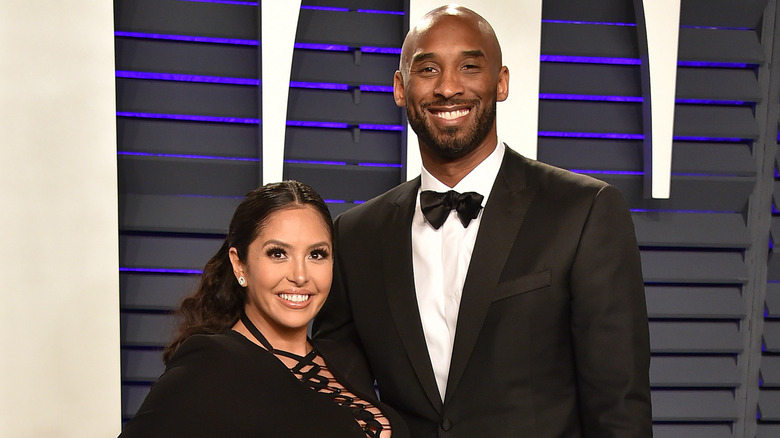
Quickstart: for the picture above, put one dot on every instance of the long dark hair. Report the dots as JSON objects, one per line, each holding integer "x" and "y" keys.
{"x": 218, "y": 301}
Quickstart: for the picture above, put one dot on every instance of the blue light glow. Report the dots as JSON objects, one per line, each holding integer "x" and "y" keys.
{"x": 326, "y": 163}
{"x": 225, "y": 2}
{"x": 375, "y": 11}
{"x": 199, "y": 39}
{"x": 189, "y": 156}
{"x": 385, "y": 50}
{"x": 601, "y": 23}
{"x": 335, "y": 201}
{"x": 319, "y": 85}
{"x": 589, "y": 60}
{"x": 331, "y": 47}
{"x": 717, "y": 139}
{"x": 552, "y": 96}
{"x": 185, "y": 78}
{"x": 375, "y": 127}
{"x": 189, "y": 117}
{"x": 377, "y": 88}
{"x": 325, "y": 8}
{"x": 591, "y": 135}
{"x": 330, "y": 125}
{"x": 714, "y": 64}
{"x": 163, "y": 271}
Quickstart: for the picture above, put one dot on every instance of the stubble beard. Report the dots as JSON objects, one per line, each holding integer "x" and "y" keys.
{"x": 452, "y": 142}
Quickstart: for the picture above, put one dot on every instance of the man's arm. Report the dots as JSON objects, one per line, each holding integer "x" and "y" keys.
{"x": 609, "y": 324}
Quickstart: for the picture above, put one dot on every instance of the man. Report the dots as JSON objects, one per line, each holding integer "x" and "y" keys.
{"x": 527, "y": 321}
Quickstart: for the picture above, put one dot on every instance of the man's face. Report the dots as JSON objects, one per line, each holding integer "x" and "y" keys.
{"x": 451, "y": 80}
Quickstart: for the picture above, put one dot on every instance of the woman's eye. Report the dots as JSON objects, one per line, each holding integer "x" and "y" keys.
{"x": 319, "y": 254}
{"x": 275, "y": 253}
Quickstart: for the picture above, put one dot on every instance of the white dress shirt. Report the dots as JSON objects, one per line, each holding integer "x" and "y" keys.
{"x": 441, "y": 258}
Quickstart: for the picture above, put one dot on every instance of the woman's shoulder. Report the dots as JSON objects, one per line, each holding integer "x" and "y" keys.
{"x": 212, "y": 348}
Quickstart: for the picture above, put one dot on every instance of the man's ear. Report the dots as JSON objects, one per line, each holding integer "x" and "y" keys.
{"x": 398, "y": 89}
{"x": 502, "y": 90}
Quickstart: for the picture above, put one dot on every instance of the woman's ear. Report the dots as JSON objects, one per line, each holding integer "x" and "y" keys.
{"x": 238, "y": 265}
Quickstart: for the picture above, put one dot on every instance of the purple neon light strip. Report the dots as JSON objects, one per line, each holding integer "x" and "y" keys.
{"x": 330, "y": 47}
{"x": 589, "y": 59}
{"x": 319, "y": 85}
{"x": 601, "y": 23}
{"x": 377, "y": 88}
{"x": 199, "y": 39}
{"x": 374, "y": 127}
{"x": 741, "y": 65}
{"x": 195, "y": 118}
{"x": 341, "y": 163}
{"x": 385, "y": 50}
{"x": 186, "y": 78}
{"x": 225, "y": 2}
{"x": 325, "y": 8}
{"x": 162, "y": 271}
{"x": 552, "y": 96}
{"x": 591, "y": 135}
{"x": 377, "y": 11}
{"x": 189, "y": 156}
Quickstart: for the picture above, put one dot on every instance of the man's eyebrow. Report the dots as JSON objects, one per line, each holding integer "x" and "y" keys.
{"x": 476, "y": 53}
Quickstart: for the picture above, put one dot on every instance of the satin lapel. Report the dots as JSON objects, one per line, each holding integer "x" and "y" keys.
{"x": 501, "y": 221}
{"x": 399, "y": 286}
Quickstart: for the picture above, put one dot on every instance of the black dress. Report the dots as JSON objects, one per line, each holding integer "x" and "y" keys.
{"x": 224, "y": 385}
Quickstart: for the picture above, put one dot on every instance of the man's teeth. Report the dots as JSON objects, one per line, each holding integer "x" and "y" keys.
{"x": 449, "y": 115}
{"x": 295, "y": 298}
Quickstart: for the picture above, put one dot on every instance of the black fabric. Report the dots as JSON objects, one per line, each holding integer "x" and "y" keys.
{"x": 224, "y": 385}
{"x": 436, "y": 206}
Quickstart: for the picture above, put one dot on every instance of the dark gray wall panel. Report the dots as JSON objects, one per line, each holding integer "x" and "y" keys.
{"x": 191, "y": 18}
{"x": 343, "y": 67}
{"x": 572, "y": 39}
{"x": 132, "y": 397}
{"x": 381, "y": 5}
{"x": 772, "y": 336}
{"x": 350, "y": 28}
{"x": 736, "y": 84}
{"x": 590, "y": 116}
{"x": 166, "y": 252}
{"x": 694, "y": 302}
{"x": 365, "y": 146}
{"x": 722, "y": 13}
{"x": 695, "y": 337}
{"x": 694, "y": 372}
{"x": 669, "y": 266}
{"x": 163, "y": 213}
{"x": 340, "y": 106}
{"x": 714, "y": 405}
{"x": 695, "y": 230}
{"x": 768, "y": 431}
{"x": 614, "y": 11}
{"x": 187, "y": 138}
{"x": 192, "y": 58}
{"x": 773, "y": 300}
{"x": 769, "y": 405}
{"x": 726, "y": 121}
{"x": 144, "y": 329}
{"x": 720, "y": 45}
{"x": 141, "y": 365}
{"x": 191, "y": 98}
{"x": 770, "y": 372}
{"x": 589, "y": 79}
{"x": 182, "y": 176}
{"x": 586, "y": 153}
{"x": 162, "y": 292}
{"x": 692, "y": 431}
{"x": 713, "y": 158}
{"x": 349, "y": 183}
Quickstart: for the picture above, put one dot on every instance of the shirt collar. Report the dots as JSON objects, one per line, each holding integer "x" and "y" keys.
{"x": 479, "y": 180}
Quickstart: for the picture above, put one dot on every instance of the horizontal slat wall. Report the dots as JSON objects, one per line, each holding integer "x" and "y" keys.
{"x": 768, "y": 409}
{"x": 693, "y": 244}
{"x": 189, "y": 130}
{"x": 187, "y": 106}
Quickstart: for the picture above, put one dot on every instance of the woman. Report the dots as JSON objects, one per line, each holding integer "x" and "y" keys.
{"x": 242, "y": 365}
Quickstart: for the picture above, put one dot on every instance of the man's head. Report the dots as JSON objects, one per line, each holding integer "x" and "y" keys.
{"x": 449, "y": 79}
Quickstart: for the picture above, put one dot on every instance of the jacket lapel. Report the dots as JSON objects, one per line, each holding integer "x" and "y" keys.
{"x": 399, "y": 285}
{"x": 503, "y": 215}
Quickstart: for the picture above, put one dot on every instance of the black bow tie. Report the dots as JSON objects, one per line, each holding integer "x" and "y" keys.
{"x": 437, "y": 206}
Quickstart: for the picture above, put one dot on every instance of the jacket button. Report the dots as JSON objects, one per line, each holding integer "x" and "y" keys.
{"x": 446, "y": 424}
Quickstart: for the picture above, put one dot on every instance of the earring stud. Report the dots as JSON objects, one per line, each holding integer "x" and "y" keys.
{"x": 242, "y": 281}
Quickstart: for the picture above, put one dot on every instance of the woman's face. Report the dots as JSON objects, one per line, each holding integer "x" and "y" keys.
{"x": 288, "y": 271}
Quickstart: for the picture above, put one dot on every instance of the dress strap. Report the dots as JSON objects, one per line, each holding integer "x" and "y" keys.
{"x": 255, "y": 332}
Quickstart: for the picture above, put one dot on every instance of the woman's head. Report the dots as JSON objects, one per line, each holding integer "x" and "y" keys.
{"x": 287, "y": 267}
{"x": 219, "y": 300}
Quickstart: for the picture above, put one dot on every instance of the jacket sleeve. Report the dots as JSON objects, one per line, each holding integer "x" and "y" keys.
{"x": 609, "y": 324}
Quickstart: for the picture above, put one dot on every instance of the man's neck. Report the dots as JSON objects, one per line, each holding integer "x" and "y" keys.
{"x": 451, "y": 171}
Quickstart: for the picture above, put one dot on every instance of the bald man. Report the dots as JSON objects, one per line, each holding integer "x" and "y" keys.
{"x": 494, "y": 296}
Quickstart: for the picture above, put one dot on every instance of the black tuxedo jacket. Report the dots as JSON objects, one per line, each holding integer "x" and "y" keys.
{"x": 552, "y": 333}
